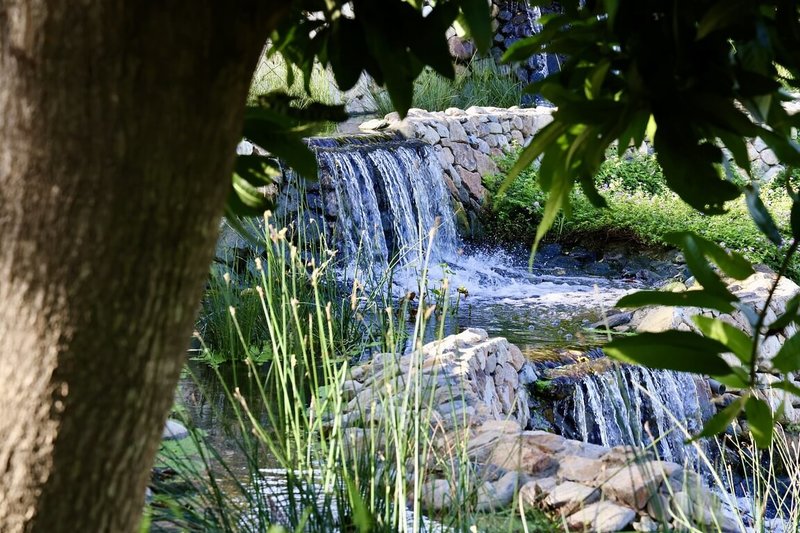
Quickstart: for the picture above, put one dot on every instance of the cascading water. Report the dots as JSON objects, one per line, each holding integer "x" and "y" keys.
{"x": 383, "y": 195}
{"x": 388, "y": 196}
{"x": 631, "y": 405}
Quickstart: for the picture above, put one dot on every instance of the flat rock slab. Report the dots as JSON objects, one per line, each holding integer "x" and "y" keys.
{"x": 601, "y": 517}
{"x": 634, "y": 484}
{"x": 513, "y": 453}
{"x": 568, "y": 497}
{"x": 579, "y": 469}
{"x": 174, "y": 430}
{"x": 534, "y": 491}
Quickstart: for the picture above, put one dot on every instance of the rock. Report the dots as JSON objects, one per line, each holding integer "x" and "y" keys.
{"x": 436, "y": 495}
{"x": 464, "y": 155}
{"x": 484, "y": 164}
{"x": 568, "y": 497}
{"x": 517, "y": 454}
{"x": 658, "y": 320}
{"x": 457, "y": 133}
{"x": 527, "y": 374}
{"x": 460, "y": 49}
{"x": 772, "y": 173}
{"x": 698, "y": 507}
{"x": 472, "y": 181}
{"x": 601, "y": 517}
{"x": 633, "y": 485}
{"x": 534, "y": 491}
{"x": 647, "y": 524}
{"x": 430, "y": 135}
{"x": 769, "y": 157}
{"x": 613, "y": 321}
{"x": 350, "y": 389}
{"x": 374, "y": 124}
{"x": 174, "y": 430}
{"x": 579, "y": 469}
{"x": 498, "y": 494}
{"x": 548, "y": 442}
{"x": 244, "y": 148}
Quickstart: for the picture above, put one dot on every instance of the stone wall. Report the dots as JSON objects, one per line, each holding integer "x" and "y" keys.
{"x": 467, "y": 141}
{"x": 513, "y": 20}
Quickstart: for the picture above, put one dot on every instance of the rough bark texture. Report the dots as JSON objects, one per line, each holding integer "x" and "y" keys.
{"x": 118, "y": 122}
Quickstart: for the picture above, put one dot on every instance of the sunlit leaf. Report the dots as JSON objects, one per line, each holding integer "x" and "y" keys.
{"x": 701, "y": 298}
{"x": 761, "y": 216}
{"x": 789, "y": 315}
{"x": 672, "y": 350}
{"x": 738, "y": 341}
{"x": 788, "y": 357}
{"x": 719, "y": 422}
{"x": 759, "y": 417}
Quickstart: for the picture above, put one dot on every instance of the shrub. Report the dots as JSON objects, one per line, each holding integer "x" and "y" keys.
{"x": 640, "y": 208}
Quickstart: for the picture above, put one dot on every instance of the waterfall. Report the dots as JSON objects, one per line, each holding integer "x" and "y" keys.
{"x": 388, "y": 197}
{"x": 632, "y": 405}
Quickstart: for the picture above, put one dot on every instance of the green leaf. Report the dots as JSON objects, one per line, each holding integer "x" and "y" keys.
{"x": 235, "y": 222}
{"x": 689, "y": 169}
{"x": 789, "y": 315}
{"x": 634, "y": 133}
{"x": 258, "y": 170}
{"x": 477, "y": 19}
{"x": 249, "y": 195}
{"x": 557, "y": 200}
{"x": 787, "y": 386}
{"x": 788, "y": 357}
{"x": 734, "y": 338}
{"x": 759, "y": 417}
{"x": 347, "y": 42}
{"x": 722, "y": 14}
{"x": 719, "y": 422}
{"x": 700, "y": 298}
{"x": 684, "y": 351}
{"x": 541, "y": 141}
{"x": 696, "y": 249}
{"x": 761, "y": 216}
{"x": 362, "y": 517}
{"x": 737, "y": 379}
{"x": 738, "y": 148}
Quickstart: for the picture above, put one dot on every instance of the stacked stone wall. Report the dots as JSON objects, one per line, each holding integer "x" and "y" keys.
{"x": 467, "y": 143}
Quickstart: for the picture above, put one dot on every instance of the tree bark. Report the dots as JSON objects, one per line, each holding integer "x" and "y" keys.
{"x": 118, "y": 123}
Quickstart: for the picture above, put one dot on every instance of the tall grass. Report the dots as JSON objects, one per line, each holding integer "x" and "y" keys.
{"x": 272, "y": 74}
{"x": 481, "y": 83}
{"x": 351, "y": 468}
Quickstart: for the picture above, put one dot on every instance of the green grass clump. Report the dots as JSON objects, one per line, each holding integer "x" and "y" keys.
{"x": 640, "y": 208}
{"x": 272, "y": 74}
{"x": 481, "y": 83}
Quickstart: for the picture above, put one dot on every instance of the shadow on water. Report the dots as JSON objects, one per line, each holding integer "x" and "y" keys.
{"x": 202, "y": 394}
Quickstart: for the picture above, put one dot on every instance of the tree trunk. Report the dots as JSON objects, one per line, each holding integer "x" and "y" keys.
{"x": 118, "y": 123}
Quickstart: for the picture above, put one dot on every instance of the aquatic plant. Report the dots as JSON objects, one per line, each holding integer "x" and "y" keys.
{"x": 327, "y": 477}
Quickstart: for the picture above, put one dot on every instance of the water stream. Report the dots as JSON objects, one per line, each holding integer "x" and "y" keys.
{"x": 380, "y": 199}
{"x": 391, "y": 194}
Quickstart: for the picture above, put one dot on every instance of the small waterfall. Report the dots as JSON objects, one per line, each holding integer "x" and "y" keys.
{"x": 388, "y": 196}
{"x": 632, "y": 405}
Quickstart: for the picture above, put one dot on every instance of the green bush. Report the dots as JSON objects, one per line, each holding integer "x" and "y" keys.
{"x": 632, "y": 173}
{"x": 641, "y": 208}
